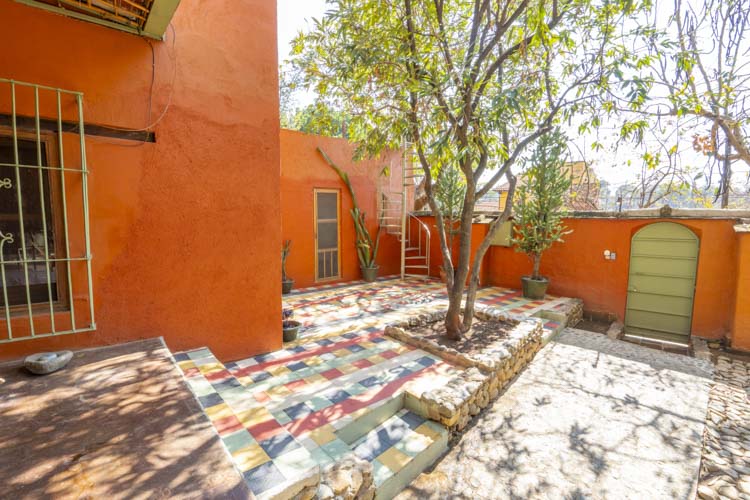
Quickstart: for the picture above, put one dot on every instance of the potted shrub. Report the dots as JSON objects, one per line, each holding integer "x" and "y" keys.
{"x": 538, "y": 208}
{"x": 367, "y": 246}
{"x": 289, "y": 327}
{"x": 286, "y": 282}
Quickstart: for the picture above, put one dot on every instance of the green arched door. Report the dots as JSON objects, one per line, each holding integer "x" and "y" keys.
{"x": 661, "y": 282}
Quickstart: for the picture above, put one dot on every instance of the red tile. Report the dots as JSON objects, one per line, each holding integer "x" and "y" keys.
{"x": 265, "y": 430}
{"x": 362, "y": 363}
{"x": 261, "y": 397}
{"x": 220, "y": 375}
{"x": 332, "y": 373}
{"x": 295, "y": 384}
{"x": 227, "y": 425}
{"x": 389, "y": 354}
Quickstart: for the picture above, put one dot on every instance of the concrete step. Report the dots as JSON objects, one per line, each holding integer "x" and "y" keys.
{"x": 399, "y": 449}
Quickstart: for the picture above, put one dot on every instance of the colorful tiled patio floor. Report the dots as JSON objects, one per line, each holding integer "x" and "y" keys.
{"x": 337, "y": 390}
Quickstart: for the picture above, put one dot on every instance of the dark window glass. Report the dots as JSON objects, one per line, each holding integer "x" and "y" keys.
{"x": 33, "y": 198}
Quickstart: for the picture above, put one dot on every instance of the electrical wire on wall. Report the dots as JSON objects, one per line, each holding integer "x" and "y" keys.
{"x": 173, "y": 58}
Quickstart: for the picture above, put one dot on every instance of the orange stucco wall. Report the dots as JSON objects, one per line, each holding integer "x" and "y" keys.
{"x": 185, "y": 232}
{"x": 303, "y": 170}
{"x": 577, "y": 268}
{"x": 741, "y": 323}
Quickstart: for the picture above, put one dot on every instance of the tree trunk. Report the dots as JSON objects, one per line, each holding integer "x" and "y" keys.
{"x": 453, "y": 325}
{"x": 471, "y": 293}
{"x": 537, "y": 261}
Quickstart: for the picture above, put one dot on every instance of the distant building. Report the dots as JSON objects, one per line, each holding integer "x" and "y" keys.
{"x": 583, "y": 194}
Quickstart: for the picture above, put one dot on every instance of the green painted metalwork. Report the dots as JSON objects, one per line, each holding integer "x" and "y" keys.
{"x": 52, "y": 307}
{"x": 661, "y": 282}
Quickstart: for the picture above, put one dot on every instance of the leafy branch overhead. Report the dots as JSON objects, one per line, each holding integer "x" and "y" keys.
{"x": 367, "y": 247}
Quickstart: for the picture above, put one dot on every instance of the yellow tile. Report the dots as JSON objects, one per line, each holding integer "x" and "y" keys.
{"x": 211, "y": 367}
{"x": 254, "y": 416}
{"x": 394, "y": 459}
{"x": 278, "y": 370}
{"x": 279, "y": 391}
{"x": 368, "y": 345}
{"x": 323, "y": 435}
{"x": 428, "y": 431}
{"x": 312, "y": 379}
{"x": 313, "y": 361}
{"x": 218, "y": 411}
{"x": 342, "y": 352}
{"x": 246, "y": 380}
{"x": 184, "y": 365}
{"x": 249, "y": 457}
{"x": 348, "y": 369}
{"x": 376, "y": 359}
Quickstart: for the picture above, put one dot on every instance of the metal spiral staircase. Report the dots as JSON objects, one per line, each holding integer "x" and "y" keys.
{"x": 397, "y": 219}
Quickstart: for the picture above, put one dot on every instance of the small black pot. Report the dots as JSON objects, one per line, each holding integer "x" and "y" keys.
{"x": 286, "y": 286}
{"x": 534, "y": 289}
{"x": 369, "y": 274}
{"x": 290, "y": 329}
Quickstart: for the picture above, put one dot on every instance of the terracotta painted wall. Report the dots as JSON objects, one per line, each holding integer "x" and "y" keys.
{"x": 741, "y": 323}
{"x": 185, "y": 232}
{"x": 577, "y": 268}
{"x": 303, "y": 170}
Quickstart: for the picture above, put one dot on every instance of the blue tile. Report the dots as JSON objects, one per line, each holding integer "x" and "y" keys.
{"x": 324, "y": 342}
{"x": 350, "y": 335}
{"x": 297, "y": 349}
{"x": 298, "y": 411}
{"x": 378, "y": 340}
{"x": 278, "y": 444}
{"x": 263, "y": 477}
{"x": 263, "y": 357}
{"x": 412, "y": 419}
{"x": 230, "y": 366}
{"x": 400, "y": 371}
{"x": 356, "y": 348}
{"x": 227, "y": 384}
{"x": 299, "y": 365}
{"x": 210, "y": 400}
{"x": 337, "y": 396}
{"x": 426, "y": 361}
{"x": 181, "y": 356}
{"x": 370, "y": 381}
{"x": 260, "y": 376}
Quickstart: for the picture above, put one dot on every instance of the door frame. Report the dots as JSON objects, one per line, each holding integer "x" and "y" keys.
{"x": 337, "y": 192}
{"x": 695, "y": 275}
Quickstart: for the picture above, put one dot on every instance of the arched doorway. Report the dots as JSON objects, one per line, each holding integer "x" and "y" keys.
{"x": 661, "y": 282}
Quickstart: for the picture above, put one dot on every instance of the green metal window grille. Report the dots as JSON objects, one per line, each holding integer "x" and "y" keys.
{"x": 45, "y": 245}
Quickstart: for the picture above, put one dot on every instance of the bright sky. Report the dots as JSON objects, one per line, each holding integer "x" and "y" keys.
{"x": 294, "y": 16}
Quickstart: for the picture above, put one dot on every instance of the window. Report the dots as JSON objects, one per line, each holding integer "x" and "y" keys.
{"x": 45, "y": 248}
{"x": 39, "y": 229}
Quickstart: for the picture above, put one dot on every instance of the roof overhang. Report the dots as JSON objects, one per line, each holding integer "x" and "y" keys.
{"x": 148, "y": 18}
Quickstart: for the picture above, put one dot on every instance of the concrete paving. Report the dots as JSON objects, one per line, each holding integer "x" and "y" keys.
{"x": 117, "y": 422}
{"x": 589, "y": 418}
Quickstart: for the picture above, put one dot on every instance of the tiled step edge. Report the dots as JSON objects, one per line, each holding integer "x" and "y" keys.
{"x": 290, "y": 488}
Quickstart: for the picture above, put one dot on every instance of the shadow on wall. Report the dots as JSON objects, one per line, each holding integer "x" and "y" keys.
{"x": 117, "y": 422}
